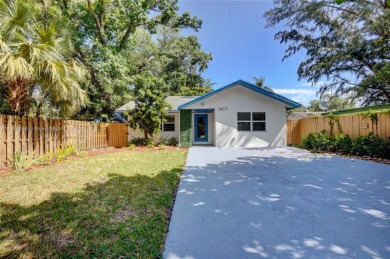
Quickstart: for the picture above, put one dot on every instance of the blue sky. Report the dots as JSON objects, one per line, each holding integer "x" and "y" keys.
{"x": 234, "y": 32}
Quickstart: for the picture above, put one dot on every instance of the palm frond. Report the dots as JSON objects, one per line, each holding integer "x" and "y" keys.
{"x": 14, "y": 18}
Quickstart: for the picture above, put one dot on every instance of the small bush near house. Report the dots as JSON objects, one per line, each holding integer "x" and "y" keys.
{"x": 142, "y": 142}
{"x": 162, "y": 147}
{"x": 172, "y": 141}
{"x": 151, "y": 145}
{"x": 317, "y": 142}
{"x": 369, "y": 145}
{"x": 21, "y": 161}
{"x": 131, "y": 146}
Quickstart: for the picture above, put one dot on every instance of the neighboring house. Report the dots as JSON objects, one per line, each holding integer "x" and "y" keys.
{"x": 239, "y": 114}
{"x": 353, "y": 111}
{"x": 294, "y": 116}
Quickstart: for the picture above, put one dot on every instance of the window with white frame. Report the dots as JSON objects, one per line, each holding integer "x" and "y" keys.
{"x": 169, "y": 123}
{"x": 251, "y": 121}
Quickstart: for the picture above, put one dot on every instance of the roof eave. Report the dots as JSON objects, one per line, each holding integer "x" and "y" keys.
{"x": 257, "y": 89}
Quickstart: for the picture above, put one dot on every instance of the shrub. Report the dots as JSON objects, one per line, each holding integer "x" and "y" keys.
{"x": 151, "y": 145}
{"x": 63, "y": 154}
{"x": 142, "y": 142}
{"x": 370, "y": 145}
{"x": 341, "y": 144}
{"x": 131, "y": 146}
{"x": 172, "y": 141}
{"x": 317, "y": 142}
{"x": 162, "y": 147}
{"x": 21, "y": 161}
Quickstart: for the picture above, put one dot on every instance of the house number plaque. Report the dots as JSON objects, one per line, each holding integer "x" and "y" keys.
{"x": 222, "y": 108}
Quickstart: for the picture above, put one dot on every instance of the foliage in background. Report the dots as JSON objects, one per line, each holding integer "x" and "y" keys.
{"x": 335, "y": 103}
{"x": 259, "y": 81}
{"x": 333, "y": 119}
{"x": 37, "y": 64}
{"x": 346, "y": 44}
{"x": 150, "y": 105}
{"x": 117, "y": 40}
{"x": 373, "y": 116}
{"x": 141, "y": 142}
{"x": 369, "y": 145}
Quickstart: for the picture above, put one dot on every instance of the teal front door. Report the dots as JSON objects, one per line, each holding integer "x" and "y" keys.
{"x": 201, "y": 128}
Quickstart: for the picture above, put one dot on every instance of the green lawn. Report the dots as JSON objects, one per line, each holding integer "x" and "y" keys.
{"x": 109, "y": 205}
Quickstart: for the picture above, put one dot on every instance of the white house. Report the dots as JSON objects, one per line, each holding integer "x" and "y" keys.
{"x": 239, "y": 114}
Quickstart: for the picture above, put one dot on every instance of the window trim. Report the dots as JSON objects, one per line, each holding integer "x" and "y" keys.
{"x": 169, "y": 123}
{"x": 252, "y": 121}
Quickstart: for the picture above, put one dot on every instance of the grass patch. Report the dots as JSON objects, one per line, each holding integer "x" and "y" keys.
{"x": 112, "y": 205}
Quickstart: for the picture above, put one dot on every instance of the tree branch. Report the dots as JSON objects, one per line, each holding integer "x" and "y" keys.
{"x": 98, "y": 22}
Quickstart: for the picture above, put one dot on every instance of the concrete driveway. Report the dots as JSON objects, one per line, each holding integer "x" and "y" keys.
{"x": 279, "y": 203}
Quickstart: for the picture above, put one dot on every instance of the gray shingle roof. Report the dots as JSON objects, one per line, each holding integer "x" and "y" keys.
{"x": 174, "y": 101}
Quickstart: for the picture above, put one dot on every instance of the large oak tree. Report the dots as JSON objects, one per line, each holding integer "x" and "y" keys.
{"x": 347, "y": 43}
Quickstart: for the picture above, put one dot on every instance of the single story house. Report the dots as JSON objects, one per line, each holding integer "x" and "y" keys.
{"x": 295, "y": 116}
{"x": 240, "y": 114}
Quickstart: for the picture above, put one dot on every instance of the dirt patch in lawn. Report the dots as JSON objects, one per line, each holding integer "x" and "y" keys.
{"x": 122, "y": 215}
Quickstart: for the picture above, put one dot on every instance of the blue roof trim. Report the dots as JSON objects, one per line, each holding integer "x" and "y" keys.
{"x": 253, "y": 87}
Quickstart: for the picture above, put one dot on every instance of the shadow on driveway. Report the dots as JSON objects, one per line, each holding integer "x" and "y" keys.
{"x": 279, "y": 202}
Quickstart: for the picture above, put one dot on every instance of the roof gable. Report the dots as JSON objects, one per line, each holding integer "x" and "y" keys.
{"x": 292, "y": 104}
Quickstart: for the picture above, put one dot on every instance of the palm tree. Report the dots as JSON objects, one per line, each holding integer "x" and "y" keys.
{"x": 259, "y": 81}
{"x": 36, "y": 58}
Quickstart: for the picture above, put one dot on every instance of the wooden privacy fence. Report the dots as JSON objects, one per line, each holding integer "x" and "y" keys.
{"x": 46, "y": 135}
{"x": 117, "y": 135}
{"x": 354, "y": 126}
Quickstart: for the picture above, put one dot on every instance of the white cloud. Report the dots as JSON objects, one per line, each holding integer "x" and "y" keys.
{"x": 295, "y": 91}
{"x": 316, "y": 85}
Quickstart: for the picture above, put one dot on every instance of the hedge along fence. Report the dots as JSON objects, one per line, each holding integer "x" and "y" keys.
{"x": 42, "y": 136}
{"x": 354, "y": 126}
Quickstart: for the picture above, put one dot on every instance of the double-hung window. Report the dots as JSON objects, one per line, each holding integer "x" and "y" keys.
{"x": 258, "y": 121}
{"x": 243, "y": 121}
{"x": 251, "y": 121}
{"x": 169, "y": 123}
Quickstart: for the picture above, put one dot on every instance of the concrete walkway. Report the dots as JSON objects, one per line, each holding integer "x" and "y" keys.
{"x": 279, "y": 203}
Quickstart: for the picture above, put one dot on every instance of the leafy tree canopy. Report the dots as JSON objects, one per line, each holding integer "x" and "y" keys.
{"x": 149, "y": 111}
{"x": 36, "y": 61}
{"x": 335, "y": 103}
{"x": 346, "y": 42}
{"x": 113, "y": 40}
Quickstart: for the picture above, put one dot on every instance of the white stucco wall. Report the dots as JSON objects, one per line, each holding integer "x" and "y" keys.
{"x": 136, "y": 133}
{"x": 241, "y": 99}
